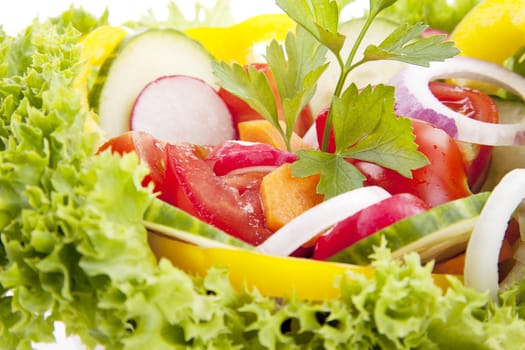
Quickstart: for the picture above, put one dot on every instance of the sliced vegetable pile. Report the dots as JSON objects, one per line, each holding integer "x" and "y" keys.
{"x": 167, "y": 193}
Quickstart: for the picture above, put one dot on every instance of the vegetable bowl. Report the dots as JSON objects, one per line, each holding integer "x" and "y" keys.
{"x": 314, "y": 177}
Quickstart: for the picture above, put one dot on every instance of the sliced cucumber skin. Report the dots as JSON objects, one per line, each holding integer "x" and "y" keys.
{"x": 413, "y": 228}
{"x": 164, "y": 214}
{"x": 114, "y": 93}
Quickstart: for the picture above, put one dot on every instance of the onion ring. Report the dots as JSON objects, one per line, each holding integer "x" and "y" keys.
{"x": 415, "y": 100}
{"x": 319, "y": 218}
{"x": 481, "y": 258}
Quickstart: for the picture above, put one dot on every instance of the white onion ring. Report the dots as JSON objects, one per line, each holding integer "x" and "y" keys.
{"x": 415, "y": 100}
{"x": 317, "y": 219}
{"x": 481, "y": 258}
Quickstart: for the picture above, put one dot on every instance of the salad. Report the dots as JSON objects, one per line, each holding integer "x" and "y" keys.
{"x": 295, "y": 180}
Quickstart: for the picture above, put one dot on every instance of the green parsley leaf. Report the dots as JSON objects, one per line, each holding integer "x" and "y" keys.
{"x": 320, "y": 18}
{"x": 296, "y": 73}
{"x": 296, "y": 68}
{"x": 365, "y": 128}
{"x": 337, "y": 174}
{"x": 377, "y": 6}
{"x": 406, "y": 45}
{"x": 251, "y": 85}
{"x": 368, "y": 129}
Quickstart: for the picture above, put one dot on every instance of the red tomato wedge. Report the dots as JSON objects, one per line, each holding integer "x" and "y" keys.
{"x": 231, "y": 204}
{"x": 442, "y": 180}
{"x": 476, "y": 105}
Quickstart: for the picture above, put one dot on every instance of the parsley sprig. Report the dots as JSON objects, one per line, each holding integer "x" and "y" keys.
{"x": 364, "y": 122}
{"x": 296, "y": 68}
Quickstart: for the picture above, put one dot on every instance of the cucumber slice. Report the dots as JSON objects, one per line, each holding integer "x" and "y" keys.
{"x": 438, "y": 233}
{"x": 506, "y": 158}
{"x": 138, "y": 60}
{"x": 165, "y": 219}
{"x": 369, "y": 73}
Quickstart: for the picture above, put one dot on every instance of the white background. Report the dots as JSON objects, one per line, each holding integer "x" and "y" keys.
{"x": 17, "y": 14}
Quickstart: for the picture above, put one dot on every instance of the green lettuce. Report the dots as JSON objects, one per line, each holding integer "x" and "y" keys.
{"x": 218, "y": 15}
{"x": 73, "y": 248}
{"x": 438, "y": 14}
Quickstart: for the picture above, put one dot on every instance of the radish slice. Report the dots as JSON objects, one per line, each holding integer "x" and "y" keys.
{"x": 179, "y": 108}
{"x": 252, "y": 169}
{"x": 414, "y": 100}
{"x": 238, "y": 157}
{"x": 310, "y": 137}
{"x": 481, "y": 259}
{"x": 319, "y": 218}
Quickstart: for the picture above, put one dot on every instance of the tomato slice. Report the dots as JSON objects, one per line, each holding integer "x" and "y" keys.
{"x": 442, "y": 180}
{"x": 476, "y": 105}
{"x": 149, "y": 150}
{"x": 231, "y": 204}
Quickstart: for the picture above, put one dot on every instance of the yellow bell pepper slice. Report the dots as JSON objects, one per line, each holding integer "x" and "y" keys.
{"x": 493, "y": 30}
{"x": 236, "y": 43}
{"x": 97, "y": 47}
{"x": 270, "y": 275}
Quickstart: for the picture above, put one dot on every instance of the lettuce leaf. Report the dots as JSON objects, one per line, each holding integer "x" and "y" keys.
{"x": 438, "y": 14}
{"x": 217, "y": 15}
{"x": 73, "y": 249}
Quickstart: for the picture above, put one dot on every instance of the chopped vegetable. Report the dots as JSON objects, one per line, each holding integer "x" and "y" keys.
{"x": 241, "y": 111}
{"x": 180, "y": 108}
{"x": 241, "y": 156}
{"x": 367, "y": 222}
{"x": 493, "y": 31}
{"x": 438, "y": 233}
{"x": 263, "y": 131}
{"x": 476, "y": 105}
{"x": 319, "y": 218}
{"x": 138, "y": 60}
{"x": 252, "y": 270}
{"x": 175, "y": 223}
{"x": 415, "y": 100}
{"x": 197, "y": 190}
{"x": 150, "y": 151}
{"x": 481, "y": 260}
{"x": 442, "y": 180}
{"x": 285, "y": 197}
{"x": 238, "y": 42}
{"x": 97, "y": 46}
